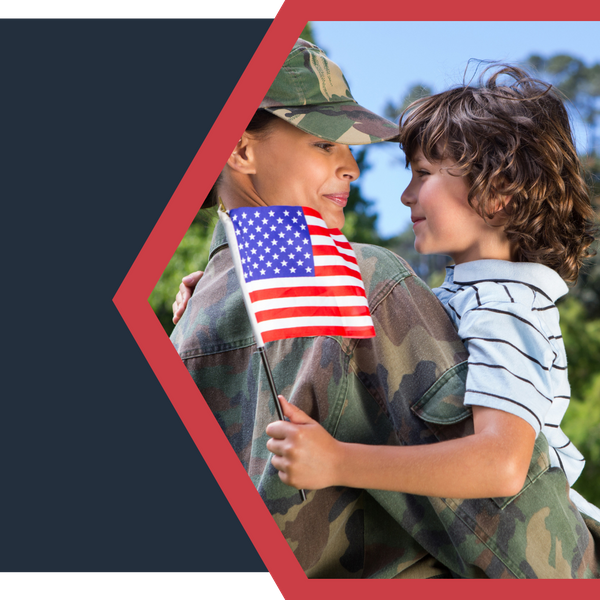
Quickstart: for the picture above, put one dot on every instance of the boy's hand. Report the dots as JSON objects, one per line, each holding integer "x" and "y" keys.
{"x": 186, "y": 289}
{"x": 304, "y": 453}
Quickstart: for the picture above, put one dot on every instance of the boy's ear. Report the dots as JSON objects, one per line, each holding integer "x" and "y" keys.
{"x": 503, "y": 204}
{"x": 242, "y": 158}
{"x": 500, "y": 210}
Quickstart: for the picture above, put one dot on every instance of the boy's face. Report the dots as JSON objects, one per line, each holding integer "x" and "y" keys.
{"x": 443, "y": 220}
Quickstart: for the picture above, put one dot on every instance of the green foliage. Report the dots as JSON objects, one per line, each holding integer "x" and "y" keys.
{"x": 582, "y": 420}
{"x": 190, "y": 256}
{"x": 307, "y": 34}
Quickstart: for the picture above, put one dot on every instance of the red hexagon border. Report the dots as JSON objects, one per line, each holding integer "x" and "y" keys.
{"x": 132, "y": 297}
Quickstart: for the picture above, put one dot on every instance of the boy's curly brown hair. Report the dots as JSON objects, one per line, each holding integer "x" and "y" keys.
{"x": 512, "y": 140}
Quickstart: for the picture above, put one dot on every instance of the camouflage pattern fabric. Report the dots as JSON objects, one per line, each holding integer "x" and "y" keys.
{"x": 404, "y": 386}
{"x": 311, "y": 92}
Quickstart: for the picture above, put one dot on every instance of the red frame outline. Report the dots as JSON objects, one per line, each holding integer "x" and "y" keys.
{"x": 131, "y": 299}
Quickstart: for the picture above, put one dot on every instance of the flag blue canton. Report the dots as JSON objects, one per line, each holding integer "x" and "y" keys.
{"x": 274, "y": 242}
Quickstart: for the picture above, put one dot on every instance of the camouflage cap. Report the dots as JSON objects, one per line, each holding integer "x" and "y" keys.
{"x": 311, "y": 92}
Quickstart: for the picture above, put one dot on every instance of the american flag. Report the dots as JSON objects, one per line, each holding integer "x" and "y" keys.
{"x": 299, "y": 277}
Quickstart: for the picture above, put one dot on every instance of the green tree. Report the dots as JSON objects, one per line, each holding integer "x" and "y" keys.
{"x": 191, "y": 255}
{"x": 582, "y": 420}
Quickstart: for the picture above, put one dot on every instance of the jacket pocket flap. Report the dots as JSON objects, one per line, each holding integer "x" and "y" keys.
{"x": 442, "y": 403}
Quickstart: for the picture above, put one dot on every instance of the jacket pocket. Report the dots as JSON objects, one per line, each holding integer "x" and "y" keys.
{"x": 443, "y": 402}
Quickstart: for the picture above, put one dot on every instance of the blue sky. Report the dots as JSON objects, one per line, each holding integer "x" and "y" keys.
{"x": 381, "y": 60}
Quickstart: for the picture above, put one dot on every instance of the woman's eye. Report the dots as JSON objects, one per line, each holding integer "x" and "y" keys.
{"x": 422, "y": 173}
{"x": 324, "y": 146}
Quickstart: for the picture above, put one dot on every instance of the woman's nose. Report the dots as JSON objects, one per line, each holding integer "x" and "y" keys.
{"x": 349, "y": 168}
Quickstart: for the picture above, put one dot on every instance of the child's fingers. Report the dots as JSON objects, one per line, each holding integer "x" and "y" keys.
{"x": 293, "y": 413}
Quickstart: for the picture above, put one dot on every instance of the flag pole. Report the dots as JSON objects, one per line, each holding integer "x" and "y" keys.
{"x": 237, "y": 263}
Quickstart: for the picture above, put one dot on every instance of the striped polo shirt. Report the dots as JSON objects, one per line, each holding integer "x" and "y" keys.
{"x": 506, "y": 316}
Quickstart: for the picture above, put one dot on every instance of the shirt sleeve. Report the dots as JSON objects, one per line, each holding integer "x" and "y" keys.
{"x": 510, "y": 361}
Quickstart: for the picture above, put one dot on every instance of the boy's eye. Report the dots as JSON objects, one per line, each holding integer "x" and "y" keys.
{"x": 422, "y": 172}
{"x": 324, "y": 146}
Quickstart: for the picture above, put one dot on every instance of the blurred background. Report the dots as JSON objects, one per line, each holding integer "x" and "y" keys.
{"x": 390, "y": 64}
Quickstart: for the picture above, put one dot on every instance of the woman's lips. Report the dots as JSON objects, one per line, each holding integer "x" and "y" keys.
{"x": 417, "y": 220}
{"x": 339, "y": 199}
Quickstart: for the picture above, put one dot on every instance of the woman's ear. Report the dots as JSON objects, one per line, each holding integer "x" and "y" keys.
{"x": 242, "y": 158}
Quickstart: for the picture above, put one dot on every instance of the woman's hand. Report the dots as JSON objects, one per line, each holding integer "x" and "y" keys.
{"x": 186, "y": 289}
{"x": 305, "y": 455}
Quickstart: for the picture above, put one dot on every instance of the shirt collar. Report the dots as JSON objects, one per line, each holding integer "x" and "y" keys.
{"x": 535, "y": 274}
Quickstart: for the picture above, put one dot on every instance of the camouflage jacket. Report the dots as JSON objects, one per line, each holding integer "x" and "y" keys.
{"x": 405, "y": 386}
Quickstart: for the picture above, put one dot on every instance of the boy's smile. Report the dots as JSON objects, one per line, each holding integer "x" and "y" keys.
{"x": 443, "y": 220}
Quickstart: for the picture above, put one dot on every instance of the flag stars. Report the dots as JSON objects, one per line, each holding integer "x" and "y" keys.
{"x": 270, "y": 238}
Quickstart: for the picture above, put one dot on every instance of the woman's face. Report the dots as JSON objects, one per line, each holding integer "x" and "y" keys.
{"x": 296, "y": 168}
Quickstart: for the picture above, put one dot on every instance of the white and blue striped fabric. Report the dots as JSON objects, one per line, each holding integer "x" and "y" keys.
{"x": 505, "y": 314}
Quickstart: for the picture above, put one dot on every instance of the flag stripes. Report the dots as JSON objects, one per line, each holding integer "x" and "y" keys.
{"x": 300, "y": 277}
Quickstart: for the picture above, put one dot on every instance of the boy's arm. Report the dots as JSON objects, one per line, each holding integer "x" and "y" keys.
{"x": 491, "y": 463}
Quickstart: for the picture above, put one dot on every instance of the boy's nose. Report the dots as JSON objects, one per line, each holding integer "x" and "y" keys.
{"x": 407, "y": 198}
